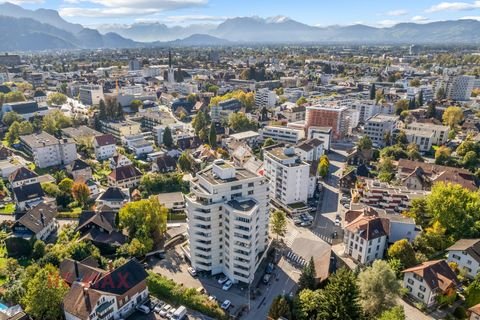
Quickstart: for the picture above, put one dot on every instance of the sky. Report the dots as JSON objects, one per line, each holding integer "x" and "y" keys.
{"x": 379, "y": 13}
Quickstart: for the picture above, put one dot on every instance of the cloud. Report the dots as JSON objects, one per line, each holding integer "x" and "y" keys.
{"x": 454, "y": 6}
{"x": 123, "y": 8}
{"x": 420, "y": 19}
{"x": 396, "y": 13}
{"x": 470, "y": 18}
{"x": 20, "y": 2}
{"x": 387, "y": 23}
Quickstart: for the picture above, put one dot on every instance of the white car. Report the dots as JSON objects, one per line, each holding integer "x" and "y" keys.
{"x": 164, "y": 310}
{"x": 337, "y": 222}
{"x": 212, "y": 298}
{"x": 170, "y": 313}
{"x": 143, "y": 309}
{"x": 223, "y": 280}
{"x": 227, "y": 285}
{"x": 226, "y": 304}
{"x": 192, "y": 271}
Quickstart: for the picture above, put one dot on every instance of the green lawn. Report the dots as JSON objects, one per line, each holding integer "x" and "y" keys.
{"x": 9, "y": 209}
{"x": 73, "y": 213}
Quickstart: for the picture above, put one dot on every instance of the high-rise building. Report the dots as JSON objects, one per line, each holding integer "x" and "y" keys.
{"x": 335, "y": 117}
{"x": 134, "y": 65}
{"x": 289, "y": 176}
{"x": 265, "y": 98}
{"x": 460, "y": 87}
{"x": 228, "y": 214}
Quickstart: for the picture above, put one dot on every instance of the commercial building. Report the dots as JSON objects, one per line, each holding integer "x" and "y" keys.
{"x": 91, "y": 95}
{"x": 228, "y": 214}
{"x": 325, "y": 116}
{"x": 265, "y": 98}
{"x": 48, "y": 151}
{"x": 121, "y": 129}
{"x": 282, "y": 134}
{"x": 439, "y": 132}
{"x": 224, "y": 109}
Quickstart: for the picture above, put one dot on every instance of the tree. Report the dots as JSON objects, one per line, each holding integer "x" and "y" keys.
{"x": 452, "y": 116}
{"x": 372, "y": 91}
{"x": 308, "y": 276}
{"x": 10, "y": 117}
{"x": 302, "y": 100}
{"x": 25, "y": 128}
{"x": 431, "y": 110}
{"x": 199, "y": 122}
{"x": 386, "y": 169}
{"x": 278, "y": 222}
{"x": 56, "y": 99}
{"x": 184, "y": 162}
{"x": 415, "y": 82}
{"x": 473, "y": 293}
{"x": 268, "y": 142}
{"x": 432, "y": 240}
{"x": 442, "y": 155}
{"x": 279, "y": 308}
{"x": 239, "y": 122}
{"x": 212, "y": 136}
{"x": 396, "y": 313}
{"x": 420, "y": 98}
{"x": 38, "y": 249}
{"x": 136, "y": 105}
{"x": 81, "y": 193}
{"x": 403, "y": 251}
{"x": 440, "y": 94}
{"x": 402, "y": 138}
{"x": 66, "y": 185}
{"x": 44, "y": 294}
{"x": 470, "y": 160}
{"x": 364, "y": 143}
{"x": 323, "y": 167}
{"x": 102, "y": 115}
{"x": 167, "y": 137}
{"x": 340, "y": 298}
{"x": 466, "y": 146}
{"x": 13, "y": 133}
{"x": 378, "y": 287}
{"x": 55, "y": 120}
{"x": 119, "y": 112}
{"x": 145, "y": 220}
{"x": 306, "y": 304}
{"x": 401, "y": 105}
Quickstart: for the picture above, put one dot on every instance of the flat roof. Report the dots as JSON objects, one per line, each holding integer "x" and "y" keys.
{"x": 242, "y": 205}
{"x": 240, "y": 174}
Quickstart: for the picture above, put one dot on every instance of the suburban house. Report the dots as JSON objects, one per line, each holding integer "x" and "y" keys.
{"x": 119, "y": 160}
{"x": 38, "y": 222}
{"x": 100, "y": 228}
{"x": 474, "y": 312}
{"x": 113, "y": 198}
{"x": 86, "y": 270}
{"x": 125, "y": 177}
{"x": 310, "y": 150}
{"x": 104, "y": 146}
{"x": 466, "y": 254}
{"x": 365, "y": 236}
{"x": 429, "y": 280}
{"x": 27, "y": 191}
{"x": 48, "y": 151}
{"x": 80, "y": 170}
{"x": 113, "y": 295}
{"x": 164, "y": 164}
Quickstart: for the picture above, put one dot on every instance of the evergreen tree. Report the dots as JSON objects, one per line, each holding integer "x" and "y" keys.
{"x": 167, "y": 137}
{"x": 420, "y": 98}
{"x": 212, "y": 136}
{"x": 308, "y": 277}
{"x": 102, "y": 115}
{"x": 340, "y": 297}
{"x": 411, "y": 104}
{"x": 119, "y": 112}
{"x": 431, "y": 110}
{"x": 373, "y": 92}
{"x": 184, "y": 162}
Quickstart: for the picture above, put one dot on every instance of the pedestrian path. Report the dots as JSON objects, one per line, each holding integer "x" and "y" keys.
{"x": 290, "y": 237}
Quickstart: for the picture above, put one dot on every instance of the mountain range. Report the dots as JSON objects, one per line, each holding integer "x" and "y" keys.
{"x": 45, "y": 29}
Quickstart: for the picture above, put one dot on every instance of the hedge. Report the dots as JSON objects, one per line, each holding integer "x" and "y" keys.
{"x": 166, "y": 289}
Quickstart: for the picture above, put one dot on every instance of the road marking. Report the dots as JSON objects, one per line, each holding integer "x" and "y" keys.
{"x": 291, "y": 237}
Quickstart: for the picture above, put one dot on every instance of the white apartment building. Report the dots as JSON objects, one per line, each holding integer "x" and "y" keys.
{"x": 228, "y": 215}
{"x": 282, "y": 134}
{"x": 439, "y": 132}
{"x": 466, "y": 254}
{"x": 460, "y": 87}
{"x": 429, "y": 280}
{"x": 265, "y": 98}
{"x": 422, "y": 138}
{"x": 366, "y": 108}
{"x": 121, "y": 129}
{"x": 378, "y": 126}
{"x": 91, "y": 94}
{"x": 104, "y": 146}
{"x": 289, "y": 176}
{"x": 49, "y": 151}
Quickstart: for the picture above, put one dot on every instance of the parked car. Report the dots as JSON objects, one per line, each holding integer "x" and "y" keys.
{"x": 143, "y": 309}
{"x": 212, "y": 298}
{"x": 226, "y": 304}
{"x": 297, "y": 221}
{"x": 158, "y": 306}
{"x": 192, "y": 271}
{"x": 201, "y": 290}
{"x": 163, "y": 312}
{"x": 306, "y": 223}
{"x": 269, "y": 268}
{"x": 337, "y": 222}
{"x": 170, "y": 313}
{"x": 346, "y": 206}
{"x": 227, "y": 285}
{"x": 266, "y": 278}
{"x": 179, "y": 314}
{"x": 337, "y": 217}
{"x": 222, "y": 280}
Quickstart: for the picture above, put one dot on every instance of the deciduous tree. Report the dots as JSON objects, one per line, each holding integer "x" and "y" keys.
{"x": 278, "y": 222}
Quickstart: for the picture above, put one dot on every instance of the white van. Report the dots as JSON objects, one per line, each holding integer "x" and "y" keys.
{"x": 179, "y": 314}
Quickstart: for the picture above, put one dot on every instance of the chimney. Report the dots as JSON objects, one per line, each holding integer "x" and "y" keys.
{"x": 86, "y": 296}
{"x": 77, "y": 274}
{"x": 110, "y": 265}
{"x": 42, "y": 219}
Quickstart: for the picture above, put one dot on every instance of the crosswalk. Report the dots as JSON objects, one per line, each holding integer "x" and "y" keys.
{"x": 290, "y": 237}
{"x": 325, "y": 238}
{"x": 295, "y": 259}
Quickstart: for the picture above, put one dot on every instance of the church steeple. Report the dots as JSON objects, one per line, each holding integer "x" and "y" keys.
{"x": 169, "y": 58}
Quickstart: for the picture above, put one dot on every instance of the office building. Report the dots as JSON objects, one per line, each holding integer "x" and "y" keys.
{"x": 335, "y": 117}
{"x": 91, "y": 95}
{"x": 379, "y": 127}
{"x": 265, "y": 98}
{"x": 282, "y": 134}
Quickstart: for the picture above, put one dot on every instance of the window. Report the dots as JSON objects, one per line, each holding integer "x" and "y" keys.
{"x": 422, "y": 288}
{"x": 420, "y": 295}
{"x": 454, "y": 256}
{"x": 410, "y": 281}
{"x": 469, "y": 262}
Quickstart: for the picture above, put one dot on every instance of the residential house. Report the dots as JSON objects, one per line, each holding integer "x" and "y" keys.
{"x": 100, "y": 228}
{"x": 26, "y": 188}
{"x": 430, "y": 280}
{"x": 26, "y": 109}
{"x": 80, "y": 170}
{"x": 164, "y": 163}
{"x": 86, "y": 270}
{"x": 104, "y": 146}
{"x": 38, "y": 222}
{"x": 310, "y": 150}
{"x": 119, "y": 160}
{"x": 49, "y": 151}
{"x": 125, "y": 177}
{"x": 466, "y": 254}
{"x": 474, "y": 312}
{"x": 113, "y": 198}
{"x": 114, "y": 295}
{"x": 173, "y": 201}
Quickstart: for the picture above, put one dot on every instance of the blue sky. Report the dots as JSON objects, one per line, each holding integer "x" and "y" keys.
{"x": 313, "y": 12}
